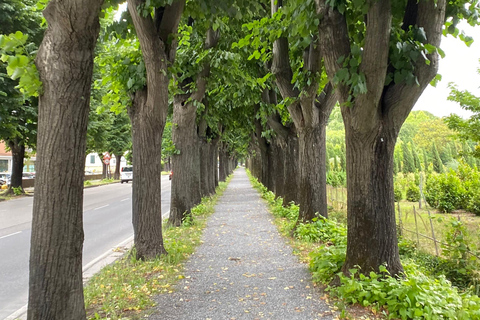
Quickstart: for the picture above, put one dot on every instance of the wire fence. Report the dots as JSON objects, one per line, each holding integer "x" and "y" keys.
{"x": 414, "y": 222}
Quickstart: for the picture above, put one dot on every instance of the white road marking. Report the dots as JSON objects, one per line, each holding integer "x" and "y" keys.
{"x": 9, "y": 235}
{"x": 125, "y": 199}
{"x": 101, "y": 207}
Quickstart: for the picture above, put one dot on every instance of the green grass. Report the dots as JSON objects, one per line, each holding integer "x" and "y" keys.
{"x": 440, "y": 221}
{"x": 124, "y": 289}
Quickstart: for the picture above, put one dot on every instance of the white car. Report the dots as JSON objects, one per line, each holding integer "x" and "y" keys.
{"x": 126, "y": 174}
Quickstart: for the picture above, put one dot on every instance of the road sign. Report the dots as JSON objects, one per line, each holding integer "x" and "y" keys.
{"x": 106, "y": 161}
{"x": 107, "y": 156}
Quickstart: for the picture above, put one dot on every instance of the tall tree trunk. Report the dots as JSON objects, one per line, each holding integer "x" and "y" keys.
{"x": 223, "y": 159}
{"x": 212, "y": 166}
{"x": 278, "y": 168}
{"x": 148, "y": 116}
{"x": 186, "y": 164}
{"x": 204, "y": 157}
{"x": 118, "y": 160}
{"x": 370, "y": 203}
{"x": 312, "y": 191}
{"x": 216, "y": 163}
{"x": 18, "y": 155}
{"x": 291, "y": 170}
{"x": 147, "y": 128}
{"x": 65, "y": 64}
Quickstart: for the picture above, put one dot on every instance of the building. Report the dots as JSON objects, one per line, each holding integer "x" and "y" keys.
{"x": 93, "y": 163}
{"x": 5, "y": 158}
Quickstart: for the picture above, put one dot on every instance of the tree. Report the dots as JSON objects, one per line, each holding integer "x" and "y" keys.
{"x": 381, "y": 55}
{"x": 186, "y": 183}
{"x": 436, "y": 160}
{"x": 466, "y": 129}
{"x": 56, "y": 287}
{"x": 408, "y": 160}
{"x": 416, "y": 158}
{"x": 155, "y": 27}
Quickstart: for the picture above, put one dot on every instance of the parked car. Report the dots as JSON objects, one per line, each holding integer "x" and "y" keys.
{"x": 126, "y": 174}
{"x": 170, "y": 175}
{"x": 28, "y": 175}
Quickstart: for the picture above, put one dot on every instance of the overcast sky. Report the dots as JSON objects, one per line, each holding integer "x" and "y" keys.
{"x": 459, "y": 66}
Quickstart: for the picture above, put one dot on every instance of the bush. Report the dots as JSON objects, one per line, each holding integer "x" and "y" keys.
{"x": 398, "y": 194}
{"x": 416, "y": 296}
{"x": 445, "y": 192}
{"x": 413, "y": 193}
{"x": 337, "y": 178}
{"x": 322, "y": 230}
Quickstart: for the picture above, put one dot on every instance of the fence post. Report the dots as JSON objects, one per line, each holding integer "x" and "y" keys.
{"x": 421, "y": 191}
{"x": 399, "y": 218}
{"x": 433, "y": 232}
{"x": 416, "y": 227}
{"x": 336, "y": 196}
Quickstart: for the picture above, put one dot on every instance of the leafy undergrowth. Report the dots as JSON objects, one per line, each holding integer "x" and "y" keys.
{"x": 419, "y": 294}
{"x": 124, "y": 289}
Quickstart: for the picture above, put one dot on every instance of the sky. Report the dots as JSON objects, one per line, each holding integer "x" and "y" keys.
{"x": 460, "y": 67}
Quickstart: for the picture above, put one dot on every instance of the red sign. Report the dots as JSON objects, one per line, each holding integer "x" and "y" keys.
{"x": 106, "y": 158}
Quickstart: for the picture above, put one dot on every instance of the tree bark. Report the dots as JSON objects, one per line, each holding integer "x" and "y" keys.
{"x": 148, "y": 116}
{"x": 372, "y": 238}
{"x": 18, "y": 155}
{"x": 65, "y": 65}
{"x": 372, "y": 123}
{"x": 186, "y": 164}
{"x": 278, "y": 168}
{"x": 223, "y": 159}
{"x": 147, "y": 128}
{"x": 118, "y": 160}
{"x": 291, "y": 171}
{"x": 312, "y": 192}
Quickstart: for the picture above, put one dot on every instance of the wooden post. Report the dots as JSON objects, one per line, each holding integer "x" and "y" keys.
{"x": 421, "y": 191}
{"x": 416, "y": 227}
{"x": 336, "y": 196}
{"x": 433, "y": 233}
{"x": 399, "y": 218}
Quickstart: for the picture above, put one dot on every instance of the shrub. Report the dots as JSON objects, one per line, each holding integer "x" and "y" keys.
{"x": 337, "y": 178}
{"x": 416, "y": 296}
{"x": 445, "y": 192}
{"x": 413, "y": 193}
{"x": 322, "y": 230}
{"x": 398, "y": 194}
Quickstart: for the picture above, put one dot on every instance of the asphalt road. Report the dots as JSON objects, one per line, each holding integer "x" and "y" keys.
{"x": 107, "y": 222}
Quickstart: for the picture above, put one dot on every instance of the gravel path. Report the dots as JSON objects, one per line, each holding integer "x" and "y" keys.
{"x": 243, "y": 269}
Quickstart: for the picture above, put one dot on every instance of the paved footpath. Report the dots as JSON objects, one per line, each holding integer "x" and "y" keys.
{"x": 243, "y": 269}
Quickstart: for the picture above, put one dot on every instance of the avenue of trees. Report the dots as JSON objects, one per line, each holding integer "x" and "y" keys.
{"x": 234, "y": 77}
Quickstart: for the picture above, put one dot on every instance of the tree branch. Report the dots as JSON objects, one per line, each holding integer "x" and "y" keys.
{"x": 399, "y": 99}
{"x": 334, "y": 43}
{"x": 375, "y": 54}
{"x": 169, "y": 25}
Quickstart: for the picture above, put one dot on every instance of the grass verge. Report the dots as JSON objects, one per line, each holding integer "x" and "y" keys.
{"x": 124, "y": 290}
